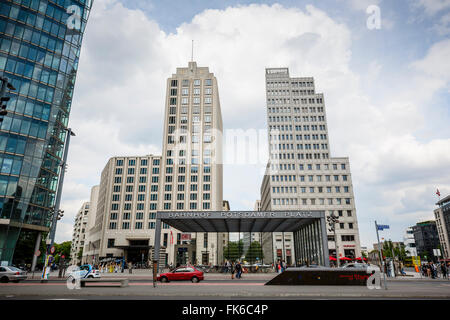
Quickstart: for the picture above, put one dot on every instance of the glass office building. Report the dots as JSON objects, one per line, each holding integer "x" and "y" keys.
{"x": 40, "y": 45}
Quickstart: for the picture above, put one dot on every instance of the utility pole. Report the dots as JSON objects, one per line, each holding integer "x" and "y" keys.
{"x": 332, "y": 220}
{"x": 381, "y": 256}
{"x": 57, "y": 213}
{"x": 3, "y": 98}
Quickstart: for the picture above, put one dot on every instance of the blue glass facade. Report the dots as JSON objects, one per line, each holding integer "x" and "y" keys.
{"x": 40, "y": 44}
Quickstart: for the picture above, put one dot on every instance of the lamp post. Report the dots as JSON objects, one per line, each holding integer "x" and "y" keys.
{"x": 57, "y": 213}
{"x": 332, "y": 220}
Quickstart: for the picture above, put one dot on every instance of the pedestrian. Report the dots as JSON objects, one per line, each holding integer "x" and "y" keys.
{"x": 443, "y": 270}
{"x": 232, "y": 270}
{"x": 238, "y": 270}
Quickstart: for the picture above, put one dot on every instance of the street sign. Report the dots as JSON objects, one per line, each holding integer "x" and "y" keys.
{"x": 63, "y": 256}
{"x": 437, "y": 252}
{"x": 382, "y": 227}
{"x": 37, "y": 253}
{"x": 52, "y": 250}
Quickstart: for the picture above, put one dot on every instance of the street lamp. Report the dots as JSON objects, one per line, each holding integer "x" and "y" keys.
{"x": 332, "y": 220}
{"x": 56, "y": 212}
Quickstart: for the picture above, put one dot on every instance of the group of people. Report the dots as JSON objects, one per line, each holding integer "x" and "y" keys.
{"x": 280, "y": 266}
{"x": 433, "y": 270}
{"x": 233, "y": 268}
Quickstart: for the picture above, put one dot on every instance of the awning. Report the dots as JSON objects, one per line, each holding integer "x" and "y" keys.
{"x": 345, "y": 259}
{"x": 332, "y": 258}
{"x": 359, "y": 259}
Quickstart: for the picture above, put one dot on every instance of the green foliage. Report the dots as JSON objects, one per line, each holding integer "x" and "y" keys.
{"x": 399, "y": 253}
{"x": 62, "y": 249}
{"x": 234, "y": 250}
{"x": 254, "y": 251}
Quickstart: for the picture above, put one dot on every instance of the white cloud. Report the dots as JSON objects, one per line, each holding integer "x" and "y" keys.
{"x": 126, "y": 58}
{"x": 433, "y": 6}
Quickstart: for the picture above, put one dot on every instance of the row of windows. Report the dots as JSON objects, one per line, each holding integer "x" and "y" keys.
{"x": 22, "y": 125}
{"x": 57, "y": 12}
{"x": 195, "y": 119}
{"x": 138, "y": 225}
{"x": 132, "y": 162}
{"x": 192, "y": 206}
{"x": 318, "y": 166}
{"x": 294, "y": 101}
{"x": 29, "y": 107}
{"x": 185, "y": 91}
{"x": 320, "y": 201}
{"x": 311, "y": 189}
{"x": 185, "y": 82}
{"x": 300, "y": 156}
{"x": 35, "y": 55}
{"x": 297, "y": 119}
{"x": 287, "y": 146}
{"x": 276, "y": 178}
{"x": 293, "y": 83}
{"x": 195, "y": 110}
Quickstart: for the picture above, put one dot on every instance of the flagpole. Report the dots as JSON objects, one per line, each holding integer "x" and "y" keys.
{"x": 381, "y": 256}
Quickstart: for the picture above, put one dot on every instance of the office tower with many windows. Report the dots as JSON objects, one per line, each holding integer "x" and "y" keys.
{"x": 40, "y": 45}
{"x": 191, "y": 168}
{"x": 301, "y": 174}
{"x": 79, "y": 233}
{"x": 125, "y": 222}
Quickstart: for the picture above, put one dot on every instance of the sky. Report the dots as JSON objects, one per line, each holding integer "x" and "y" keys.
{"x": 383, "y": 67}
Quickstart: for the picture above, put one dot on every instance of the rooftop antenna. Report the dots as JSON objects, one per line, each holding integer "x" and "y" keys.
{"x": 192, "y": 52}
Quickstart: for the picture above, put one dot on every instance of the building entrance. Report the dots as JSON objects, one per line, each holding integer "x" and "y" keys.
{"x": 308, "y": 228}
{"x": 138, "y": 253}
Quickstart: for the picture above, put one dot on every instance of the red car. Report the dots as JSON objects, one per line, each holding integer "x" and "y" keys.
{"x": 181, "y": 273}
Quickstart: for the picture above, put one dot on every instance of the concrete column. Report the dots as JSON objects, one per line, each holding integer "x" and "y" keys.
{"x": 156, "y": 246}
{"x": 325, "y": 242}
{"x": 36, "y": 248}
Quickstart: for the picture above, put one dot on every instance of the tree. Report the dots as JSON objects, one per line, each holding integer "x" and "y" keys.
{"x": 254, "y": 251}
{"x": 234, "y": 250}
{"x": 62, "y": 249}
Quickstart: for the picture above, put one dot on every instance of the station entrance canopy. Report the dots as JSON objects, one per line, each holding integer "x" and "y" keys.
{"x": 239, "y": 221}
{"x": 309, "y": 228}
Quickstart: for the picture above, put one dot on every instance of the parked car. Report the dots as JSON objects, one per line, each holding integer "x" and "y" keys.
{"x": 83, "y": 272}
{"x": 360, "y": 266}
{"x": 10, "y": 273}
{"x": 182, "y": 273}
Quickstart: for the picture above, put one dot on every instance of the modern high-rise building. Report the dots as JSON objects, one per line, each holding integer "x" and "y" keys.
{"x": 191, "y": 168}
{"x": 40, "y": 45}
{"x": 301, "y": 174}
{"x": 426, "y": 238}
{"x": 79, "y": 234}
{"x": 442, "y": 215}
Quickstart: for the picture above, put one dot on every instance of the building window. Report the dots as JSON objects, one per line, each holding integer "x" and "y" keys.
{"x": 125, "y": 225}
{"x": 111, "y": 243}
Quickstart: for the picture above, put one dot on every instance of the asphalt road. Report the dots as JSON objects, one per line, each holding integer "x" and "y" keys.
{"x": 224, "y": 289}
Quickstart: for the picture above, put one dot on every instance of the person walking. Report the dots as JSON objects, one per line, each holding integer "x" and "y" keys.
{"x": 232, "y": 270}
{"x": 444, "y": 270}
{"x": 238, "y": 270}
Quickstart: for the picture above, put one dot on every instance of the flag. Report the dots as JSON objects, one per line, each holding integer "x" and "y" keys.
{"x": 171, "y": 237}
{"x": 438, "y": 193}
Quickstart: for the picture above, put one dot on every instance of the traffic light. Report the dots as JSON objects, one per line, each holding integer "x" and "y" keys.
{"x": 3, "y": 98}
